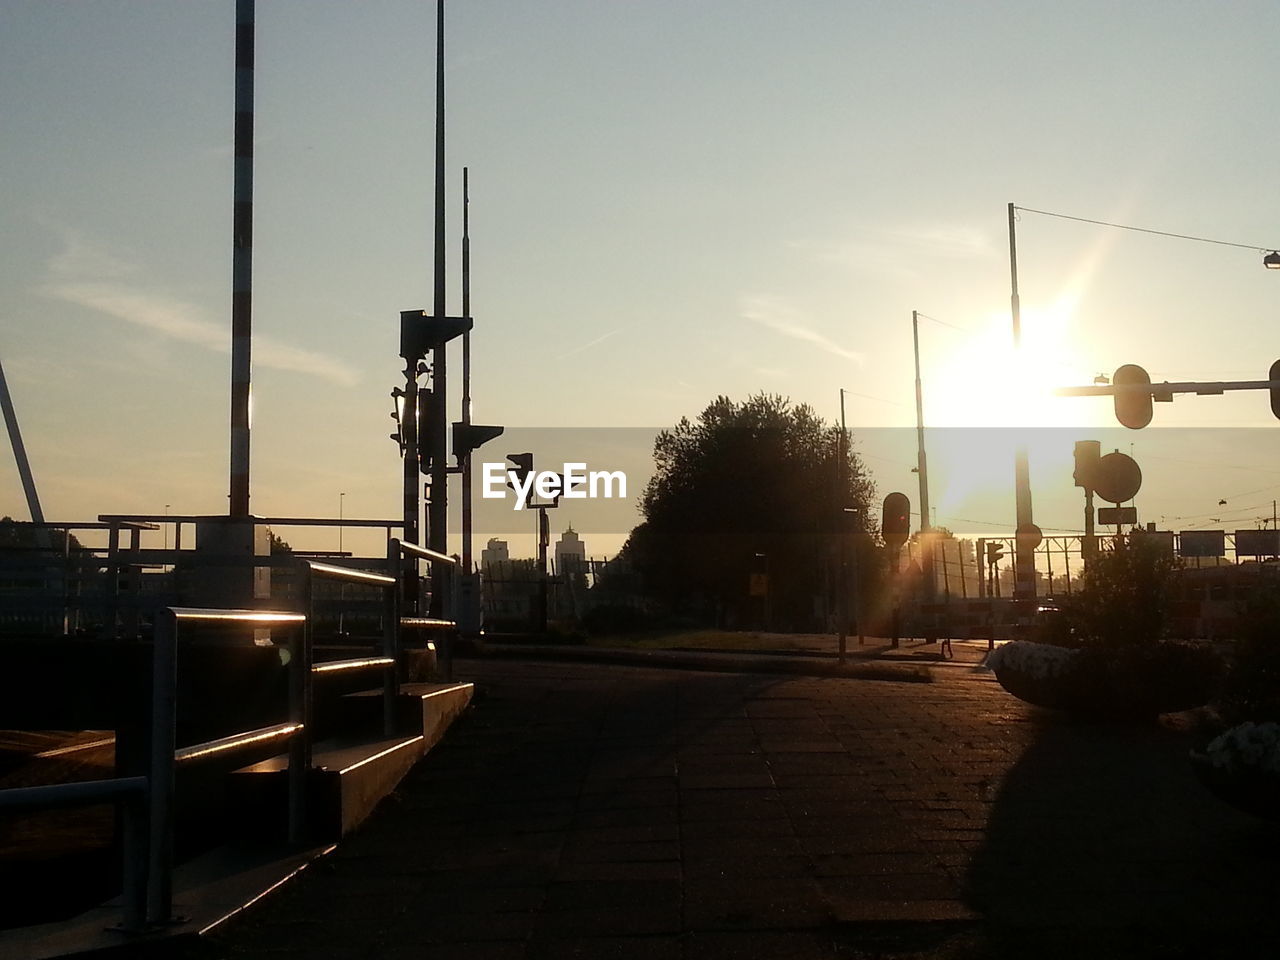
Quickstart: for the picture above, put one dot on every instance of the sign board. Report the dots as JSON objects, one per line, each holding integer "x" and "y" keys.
{"x": 1257, "y": 543}
{"x": 1117, "y": 477}
{"x": 1202, "y": 543}
{"x": 1028, "y": 536}
{"x": 1118, "y": 515}
{"x": 1161, "y": 539}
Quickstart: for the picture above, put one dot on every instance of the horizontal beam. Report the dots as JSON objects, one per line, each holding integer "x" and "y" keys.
{"x": 1153, "y": 389}
{"x": 339, "y": 666}
{"x": 347, "y": 573}
{"x": 239, "y": 616}
{"x": 80, "y": 793}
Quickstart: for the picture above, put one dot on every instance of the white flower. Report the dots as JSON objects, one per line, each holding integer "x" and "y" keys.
{"x": 1039, "y": 660}
{"x": 1255, "y": 745}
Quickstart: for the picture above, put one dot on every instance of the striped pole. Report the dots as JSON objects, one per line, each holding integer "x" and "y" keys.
{"x": 242, "y": 261}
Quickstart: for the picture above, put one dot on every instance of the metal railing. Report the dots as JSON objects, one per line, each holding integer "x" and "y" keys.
{"x": 148, "y": 801}
{"x": 402, "y": 562}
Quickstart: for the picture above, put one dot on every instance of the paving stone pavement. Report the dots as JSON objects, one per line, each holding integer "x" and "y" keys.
{"x": 605, "y": 811}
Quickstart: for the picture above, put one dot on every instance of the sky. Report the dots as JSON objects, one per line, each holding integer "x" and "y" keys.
{"x": 669, "y": 202}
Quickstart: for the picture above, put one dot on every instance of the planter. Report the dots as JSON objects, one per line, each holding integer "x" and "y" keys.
{"x": 1242, "y": 769}
{"x": 1128, "y": 684}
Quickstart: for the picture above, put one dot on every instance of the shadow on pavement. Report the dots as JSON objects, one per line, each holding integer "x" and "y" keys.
{"x": 1102, "y": 843}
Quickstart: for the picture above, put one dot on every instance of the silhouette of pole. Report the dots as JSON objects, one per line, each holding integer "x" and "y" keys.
{"x": 1024, "y": 561}
{"x": 242, "y": 260}
{"x": 842, "y": 524}
{"x": 466, "y": 375}
{"x": 20, "y": 451}
{"x": 438, "y": 506}
{"x": 922, "y": 467}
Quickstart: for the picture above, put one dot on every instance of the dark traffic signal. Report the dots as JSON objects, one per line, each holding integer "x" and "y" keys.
{"x": 521, "y": 466}
{"x": 469, "y": 436}
{"x": 896, "y": 521}
{"x": 1273, "y": 375}
{"x": 1133, "y": 407}
{"x": 995, "y": 552}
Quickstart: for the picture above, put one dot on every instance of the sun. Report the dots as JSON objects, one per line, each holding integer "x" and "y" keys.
{"x": 984, "y": 399}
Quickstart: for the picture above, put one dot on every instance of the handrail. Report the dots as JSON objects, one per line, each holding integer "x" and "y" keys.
{"x": 423, "y": 552}
{"x": 236, "y": 741}
{"x": 347, "y": 573}
{"x": 78, "y": 793}
{"x": 365, "y": 663}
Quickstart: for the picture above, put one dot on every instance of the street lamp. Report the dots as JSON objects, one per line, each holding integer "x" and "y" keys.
{"x": 1272, "y": 260}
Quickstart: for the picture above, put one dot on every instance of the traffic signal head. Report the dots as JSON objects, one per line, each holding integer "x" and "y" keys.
{"x": 521, "y": 465}
{"x": 995, "y": 551}
{"x": 896, "y": 522}
{"x": 1273, "y": 376}
{"x": 468, "y": 436}
{"x": 430, "y": 435}
{"x": 1087, "y": 454}
{"x": 1133, "y": 407}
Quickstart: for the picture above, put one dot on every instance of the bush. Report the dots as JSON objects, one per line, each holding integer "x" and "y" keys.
{"x": 1252, "y": 688}
{"x": 616, "y": 618}
{"x": 1123, "y": 600}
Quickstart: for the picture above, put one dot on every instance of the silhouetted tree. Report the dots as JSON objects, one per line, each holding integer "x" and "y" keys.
{"x": 744, "y": 487}
{"x": 24, "y": 535}
{"x": 278, "y": 544}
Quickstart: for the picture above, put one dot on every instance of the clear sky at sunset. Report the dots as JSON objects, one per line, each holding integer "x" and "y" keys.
{"x": 670, "y": 201}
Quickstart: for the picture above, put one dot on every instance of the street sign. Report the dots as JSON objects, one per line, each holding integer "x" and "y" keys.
{"x": 1028, "y": 536}
{"x": 1202, "y": 543}
{"x": 1257, "y": 543}
{"x": 1118, "y": 515}
{"x": 1117, "y": 478}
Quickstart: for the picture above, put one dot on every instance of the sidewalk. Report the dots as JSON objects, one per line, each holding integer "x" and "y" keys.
{"x": 607, "y": 811}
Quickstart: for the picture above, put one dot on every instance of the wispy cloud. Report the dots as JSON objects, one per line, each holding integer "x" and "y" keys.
{"x": 589, "y": 344}
{"x": 784, "y": 319}
{"x": 896, "y": 252}
{"x": 85, "y": 275}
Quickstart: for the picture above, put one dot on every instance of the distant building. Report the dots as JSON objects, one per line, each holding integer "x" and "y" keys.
{"x": 497, "y": 551}
{"x": 570, "y": 553}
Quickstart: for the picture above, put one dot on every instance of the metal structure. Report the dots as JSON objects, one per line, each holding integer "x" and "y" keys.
{"x": 242, "y": 261}
{"x": 19, "y": 451}
{"x": 1024, "y": 562}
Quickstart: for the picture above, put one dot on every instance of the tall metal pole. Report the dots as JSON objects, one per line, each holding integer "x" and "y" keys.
{"x": 842, "y": 532}
{"x": 926, "y": 543}
{"x": 438, "y": 507}
{"x": 242, "y": 261}
{"x": 20, "y": 451}
{"x": 1024, "y": 561}
{"x": 466, "y": 374}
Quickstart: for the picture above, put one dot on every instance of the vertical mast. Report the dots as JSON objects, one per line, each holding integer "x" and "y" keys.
{"x": 438, "y": 508}
{"x": 466, "y": 373}
{"x": 242, "y": 261}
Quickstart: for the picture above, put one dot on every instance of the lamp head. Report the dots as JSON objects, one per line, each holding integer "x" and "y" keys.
{"x": 1272, "y": 260}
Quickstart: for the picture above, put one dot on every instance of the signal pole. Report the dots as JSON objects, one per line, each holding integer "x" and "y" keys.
{"x": 1024, "y": 561}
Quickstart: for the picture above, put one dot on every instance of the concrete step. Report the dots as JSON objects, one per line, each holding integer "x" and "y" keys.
{"x": 425, "y": 708}
{"x": 349, "y": 776}
{"x": 346, "y": 781}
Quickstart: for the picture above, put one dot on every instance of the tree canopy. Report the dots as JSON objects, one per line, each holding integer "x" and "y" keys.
{"x": 751, "y": 487}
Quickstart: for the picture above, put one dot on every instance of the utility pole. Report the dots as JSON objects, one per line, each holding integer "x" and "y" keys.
{"x": 926, "y": 541}
{"x": 466, "y": 376}
{"x": 842, "y": 529}
{"x": 438, "y": 507}
{"x": 1024, "y": 561}
{"x": 242, "y": 261}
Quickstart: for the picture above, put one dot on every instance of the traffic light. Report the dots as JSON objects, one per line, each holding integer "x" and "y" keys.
{"x": 1133, "y": 407}
{"x": 1273, "y": 375}
{"x": 521, "y": 466}
{"x": 430, "y": 437}
{"x": 895, "y": 523}
{"x": 469, "y": 436}
{"x": 995, "y": 551}
{"x": 397, "y": 414}
{"x": 1087, "y": 454}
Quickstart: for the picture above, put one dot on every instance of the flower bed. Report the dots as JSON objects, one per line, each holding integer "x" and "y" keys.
{"x": 1242, "y": 768}
{"x": 1129, "y": 683}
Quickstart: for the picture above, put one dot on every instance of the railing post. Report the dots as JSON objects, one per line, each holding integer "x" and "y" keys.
{"x": 164, "y": 662}
{"x": 136, "y": 853}
{"x": 391, "y": 639}
{"x": 300, "y": 711}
